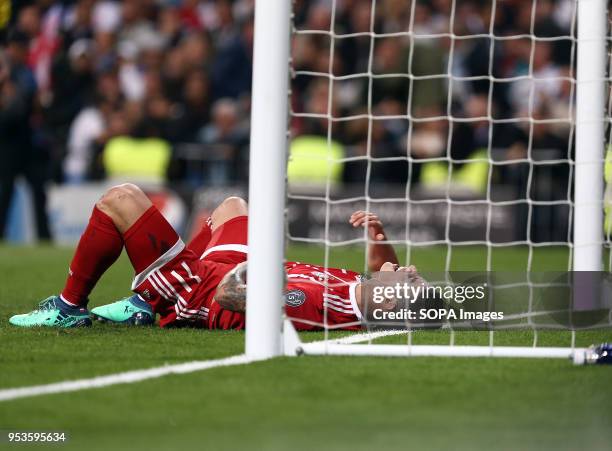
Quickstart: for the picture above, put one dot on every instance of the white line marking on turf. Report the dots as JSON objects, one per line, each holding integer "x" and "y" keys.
{"x": 127, "y": 377}
{"x": 367, "y": 336}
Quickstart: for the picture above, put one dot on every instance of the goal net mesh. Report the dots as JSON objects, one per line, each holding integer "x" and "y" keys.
{"x": 454, "y": 122}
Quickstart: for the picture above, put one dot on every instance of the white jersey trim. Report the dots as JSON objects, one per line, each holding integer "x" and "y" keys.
{"x": 157, "y": 264}
{"x": 226, "y": 247}
{"x": 353, "y": 299}
{"x": 328, "y": 305}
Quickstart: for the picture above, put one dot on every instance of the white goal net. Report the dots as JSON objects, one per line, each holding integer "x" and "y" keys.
{"x": 476, "y": 131}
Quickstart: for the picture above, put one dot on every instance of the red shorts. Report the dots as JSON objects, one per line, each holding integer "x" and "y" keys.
{"x": 180, "y": 284}
{"x": 228, "y": 243}
{"x": 227, "y": 248}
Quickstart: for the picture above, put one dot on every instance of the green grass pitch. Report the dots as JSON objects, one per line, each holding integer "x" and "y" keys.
{"x": 306, "y": 403}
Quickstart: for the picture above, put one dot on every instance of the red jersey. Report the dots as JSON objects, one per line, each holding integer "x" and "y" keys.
{"x": 181, "y": 283}
{"x": 182, "y": 292}
{"x": 180, "y": 286}
{"x": 310, "y": 301}
{"x": 316, "y": 297}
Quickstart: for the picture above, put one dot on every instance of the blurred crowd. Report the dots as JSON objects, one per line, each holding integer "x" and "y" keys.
{"x": 175, "y": 76}
{"x": 411, "y": 114}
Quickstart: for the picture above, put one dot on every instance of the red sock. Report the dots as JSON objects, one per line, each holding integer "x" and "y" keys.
{"x": 148, "y": 238}
{"x": 200, "y": 241}
{"x": 99, "y": 247}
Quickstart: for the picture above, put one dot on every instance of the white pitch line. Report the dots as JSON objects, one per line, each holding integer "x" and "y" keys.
{"x": 366, "y": 336}
{"x": 127, "y": 377}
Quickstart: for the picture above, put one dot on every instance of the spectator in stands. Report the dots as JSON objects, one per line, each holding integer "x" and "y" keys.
{"x": 175, "y": 59}
{"x": 73, "y": 81}
{"x": 194, "y": 107}
{"x": 83, "y": 141}
{"x": 43, "y": 41}
{"x": 225, "y": 139}
{"x": 231, "y": 68}
{"x": 17, "y": 153}
{"x": 91, "y": 129}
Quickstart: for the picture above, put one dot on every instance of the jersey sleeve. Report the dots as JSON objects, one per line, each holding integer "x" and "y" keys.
{"x": 303, "y": 305}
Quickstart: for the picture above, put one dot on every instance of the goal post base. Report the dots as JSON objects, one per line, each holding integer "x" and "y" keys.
{"x": 438, "y": 351}
{"x": 290, "y": 340}
{"x": 293, "y": 346}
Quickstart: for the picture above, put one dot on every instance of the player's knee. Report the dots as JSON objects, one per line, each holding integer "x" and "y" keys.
{"x": 235, "y": 203}
{"x": 116, "y": 197}
{"x": 132, "y": 189}
{"x": 230, "y": 208}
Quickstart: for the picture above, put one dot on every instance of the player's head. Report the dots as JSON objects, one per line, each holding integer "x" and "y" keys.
{"x": 394, "y": 290}
{"x": 378, "y": 293}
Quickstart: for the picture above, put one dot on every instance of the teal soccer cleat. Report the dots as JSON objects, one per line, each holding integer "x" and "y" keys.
{"x": 53, "y": 312}
{"x": 133, "y": 311}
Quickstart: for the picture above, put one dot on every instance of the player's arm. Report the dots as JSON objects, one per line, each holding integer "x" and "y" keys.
{"x": 231, "y": 291}
{"x": 379, "y": 251}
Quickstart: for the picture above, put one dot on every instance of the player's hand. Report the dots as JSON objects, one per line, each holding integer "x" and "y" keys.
{"x": 413, "y": 274}
{"x": 409, "y": 269}
{"x": 371, "y": 221}
{"x": 390, "y": 266}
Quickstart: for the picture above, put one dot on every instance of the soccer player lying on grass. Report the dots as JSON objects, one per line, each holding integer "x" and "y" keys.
{"x": 180, "y": 282}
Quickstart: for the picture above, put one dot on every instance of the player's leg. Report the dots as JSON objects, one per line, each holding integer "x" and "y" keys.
{"x": 211, "y": 233}
{"x": 227, "y": 225}
{"x": 230, "y": 208}
{"x": 115, "y": 218}
{"x": 228, "y": 243}
{"x": 159, "y": 259}
{"x": 199, "y": 242}
{"x": 228, "y": 246}
{"x": 166, "y": 271}
{"x": 146, "y": 236}
{"x": 103, "y": 240}
{"x": 124, "y": 205}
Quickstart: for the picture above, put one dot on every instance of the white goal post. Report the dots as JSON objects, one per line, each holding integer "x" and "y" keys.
{"x": 268, "y": 166}
{"x": 590, "y": 94}
{"x": 267, "y": 335}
